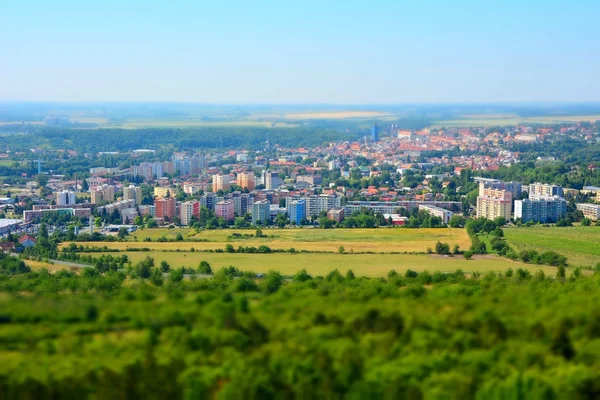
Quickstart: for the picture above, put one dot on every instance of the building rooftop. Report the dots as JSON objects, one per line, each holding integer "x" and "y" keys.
{"x": 7, "y": 222}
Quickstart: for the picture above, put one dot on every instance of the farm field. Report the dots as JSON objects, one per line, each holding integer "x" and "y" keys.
{"x": 580, "y": 244}
{"x": 195, "y": 123}
{"x": 511, "y": 119}
{"x": 374, "y": 265}
{"x": 354, "y": 240}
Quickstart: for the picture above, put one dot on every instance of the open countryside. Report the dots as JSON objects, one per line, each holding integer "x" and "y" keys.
{"x": 580, "y": 244}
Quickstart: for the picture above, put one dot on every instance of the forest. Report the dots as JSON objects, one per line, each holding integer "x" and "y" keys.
{"x": 239, "y": 335}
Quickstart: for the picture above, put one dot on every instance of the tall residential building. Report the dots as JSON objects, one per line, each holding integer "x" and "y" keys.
{"x": 323, "y": 202}
{"x": 133, "y": 193}
{"x": 225, "y": 209}
{"x": 187, "y": 210}
{"x": 591, "y": 211}
{"x": 243, "y": 204}
{"x": 550, "y": 209}
{"x": 163, "y": 191}
{"x": 542, "y": 191}
{"x": 494, "y": 203}
{"x": 442, "y": 213}
{"x": 296, "y": 210}
{"x": 336, "y": 214}
{"x": 65, "y": 198}
{"x": 261, "y": 212}
{"x": 270, "y": 180}
{"x": 246, "y": 180}
{"x": 165, "y": 207}
{"x": 208, "y": 200}
{"x": 221, "y": 182}
{"x": 103, "y": 193}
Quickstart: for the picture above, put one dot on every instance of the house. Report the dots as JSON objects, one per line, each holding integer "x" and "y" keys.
{"x": 27, "y": 241}
{"x": 7, "y": 247}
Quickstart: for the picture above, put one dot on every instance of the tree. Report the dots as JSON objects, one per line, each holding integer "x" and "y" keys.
{"x": 350, "y": 275}
{"x": 560, "y": 273}
{"x": 204, "y": 268}
{"x": 156, "y": 277}
{"x": 586, "y": 222}
{"x": 179, "y": 237}
{"x": 175, "y": 275}
{"x": 272, "y": 281}
{"x": 122, "y": 233}
{"x": 341, "y": 250}
{"x": 442, "y": 248}
{"x": 467, "y": 255}
{"x": 164, "y": 266}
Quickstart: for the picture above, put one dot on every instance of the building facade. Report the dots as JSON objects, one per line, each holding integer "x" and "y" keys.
{"x": 134, "y": 193}
{"x": 541, "y": 210}
{"x": 591, "y": 211}
{"x": 296, "y": 210}
{"x": 542, "y": 191}
{"x": 188, "y": 210}
{"x": 439, "y": 212}
{"x": 165, "y": 208}
{"x": 225, "y": 209}
{"x": 246, "y": 180}
{"x": 494, "y": 203}
{"x": 260, "y": 212}
{"x": 221, "y": 182}
{"x": 65, "y": 198}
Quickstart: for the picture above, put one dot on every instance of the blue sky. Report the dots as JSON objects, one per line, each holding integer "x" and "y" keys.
{"x": 355, "y": 52}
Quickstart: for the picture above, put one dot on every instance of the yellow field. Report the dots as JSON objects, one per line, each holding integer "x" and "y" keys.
{"x": 335, "y": 115}
{"x": 133, "y": 124}
{"x": 374, "y": 265}
{"x": 382, "y": 240}
{"x": 37, "y": 265}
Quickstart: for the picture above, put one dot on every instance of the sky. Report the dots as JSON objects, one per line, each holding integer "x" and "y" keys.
{"x": 325, "y": 52}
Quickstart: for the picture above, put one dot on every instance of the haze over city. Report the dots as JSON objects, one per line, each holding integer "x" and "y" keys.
{"x": 310, "y": 52}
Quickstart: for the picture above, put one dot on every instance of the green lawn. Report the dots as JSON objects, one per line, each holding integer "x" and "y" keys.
{"x": 320, "y": 264}
{"x": 580, "y": 244}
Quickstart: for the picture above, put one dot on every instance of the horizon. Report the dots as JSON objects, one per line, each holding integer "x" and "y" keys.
{"x": 382, "y": 53}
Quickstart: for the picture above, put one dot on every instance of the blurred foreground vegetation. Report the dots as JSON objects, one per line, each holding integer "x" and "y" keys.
{"x": 238, "y": 335}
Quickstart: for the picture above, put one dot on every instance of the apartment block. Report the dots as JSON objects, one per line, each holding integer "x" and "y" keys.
{"x": 591, "y": 211}
{"x": 494, "y": 203}
{"x": 65, "y": 198}
{"x": 542, "y": 191}
{"x": 336, "y": 214}
{"x": 225, "y": 209}
{"x": 165, "y": 208}
{"x": 246, "y": 180}
{"x": 261, "y": 212}
{"x": 163, "y": 191}
{"x": 541, "y": 210}
{"x": 392, "y": 207}
{"x": 243, "y": 204}
{"x": 270, "y": 180}
{"x": 296, "y": 210}
{"x": 187, "y": 210}
{"x": 132, "y": 192}
{"x": 439, "y": 212}
{"x": 103, "y": 193}
{"x": 220, "y": 182}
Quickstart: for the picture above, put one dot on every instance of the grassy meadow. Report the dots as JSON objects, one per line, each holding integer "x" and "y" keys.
{"x": 580, "y": 244}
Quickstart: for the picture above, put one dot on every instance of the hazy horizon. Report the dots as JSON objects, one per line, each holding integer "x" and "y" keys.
{"x": 383, "y": 53}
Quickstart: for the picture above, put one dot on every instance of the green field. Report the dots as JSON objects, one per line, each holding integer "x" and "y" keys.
{"x": 580, "y": 244}
{"x": 195, "y": 123}
{"x": 374, "y": 265}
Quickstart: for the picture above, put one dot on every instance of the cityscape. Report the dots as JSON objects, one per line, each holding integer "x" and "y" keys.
{"x": 278, "y": 200}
